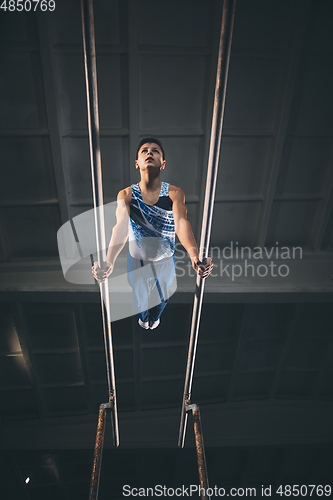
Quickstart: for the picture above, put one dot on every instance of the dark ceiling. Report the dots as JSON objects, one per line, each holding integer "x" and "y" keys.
{"x": 264, "y": 368}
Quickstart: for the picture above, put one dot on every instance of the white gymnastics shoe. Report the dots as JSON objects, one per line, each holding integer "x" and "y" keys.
{"x": 144, "y": 324}
{"x": 154, "y": 324}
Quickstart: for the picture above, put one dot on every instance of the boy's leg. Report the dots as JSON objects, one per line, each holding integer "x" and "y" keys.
{"x": 164, "y": 274}
{"x": 156, "y": 311}
{"x": 136, "y": 275}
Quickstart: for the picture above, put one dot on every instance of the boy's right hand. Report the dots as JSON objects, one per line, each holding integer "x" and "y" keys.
{"x": 99, "y": 274}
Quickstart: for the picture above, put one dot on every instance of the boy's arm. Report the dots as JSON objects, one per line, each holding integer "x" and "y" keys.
{"x": 184, "y": 232}
{"x": 120, "y": 230}
{"x": 119, "y": 235}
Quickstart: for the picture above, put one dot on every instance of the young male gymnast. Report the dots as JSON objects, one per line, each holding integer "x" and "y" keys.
{"x": 150, "y": 213}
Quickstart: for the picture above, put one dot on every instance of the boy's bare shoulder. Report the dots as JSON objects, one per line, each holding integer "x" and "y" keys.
{"x": 125, "y": 194}
{"x": 176, "y": 193}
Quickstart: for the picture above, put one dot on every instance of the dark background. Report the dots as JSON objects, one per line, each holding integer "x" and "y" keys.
{"x": 264, "y": 371}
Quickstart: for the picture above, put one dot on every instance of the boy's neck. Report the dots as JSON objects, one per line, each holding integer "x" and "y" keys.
{"x": 150, "y": 182}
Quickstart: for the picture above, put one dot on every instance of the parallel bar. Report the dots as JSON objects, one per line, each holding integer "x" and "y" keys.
{"x": 96, "y": 470}
{"x": 96, "y": 173}
{"x": 201, "y": 457}
{"x": 110, "y": 365}
{"x": 213, "y": 161}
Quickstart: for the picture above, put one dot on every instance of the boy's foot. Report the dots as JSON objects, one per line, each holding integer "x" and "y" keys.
{"x": 144, "y": 324}
{"x": 154, "y": 324}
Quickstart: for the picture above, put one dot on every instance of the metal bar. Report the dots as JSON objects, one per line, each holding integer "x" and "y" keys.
{"x": 201, "y": 457}
{"x": 110, "y": 368}
{"x": 213, "y": 160}
{"x": 97, "y": 187}
{"x": 97, "y": 463}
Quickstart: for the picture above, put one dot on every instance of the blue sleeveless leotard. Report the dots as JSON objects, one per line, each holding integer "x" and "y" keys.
{"x": 152, "y": 227}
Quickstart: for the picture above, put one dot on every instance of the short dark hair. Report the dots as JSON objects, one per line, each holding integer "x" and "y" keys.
{"x": 147, "y": 140}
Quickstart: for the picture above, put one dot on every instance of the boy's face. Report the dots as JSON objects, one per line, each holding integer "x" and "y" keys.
{"x": 150, "y": 156}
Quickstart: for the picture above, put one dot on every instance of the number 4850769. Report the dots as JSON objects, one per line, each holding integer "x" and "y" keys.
{"x": 304, "y": 490}
{"x": 27, "y": 5}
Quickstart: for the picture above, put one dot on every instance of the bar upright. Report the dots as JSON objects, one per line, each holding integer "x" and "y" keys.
{"x": 213, "y": 160}
{"x": 199, "y": 445}
{"x": 97, "y": 187}
{"x": 96, "y": 471}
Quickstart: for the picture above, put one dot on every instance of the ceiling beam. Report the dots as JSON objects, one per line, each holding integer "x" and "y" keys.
{"x": 53, "y": 110}
{"x": 81, "y": 335}
{"x": 287, "y": 465}
{"x": 238, "y": 354}
{"x": 5, "y": 249}
{"x": 300, "y": 14}
{"x": 248, "y": 423}
{"x": 215, "y": 14}
{"x": 137, "y": 364}
{"x": 248, "y": 466}
{"x": 285, "y": 352}
{"x": 24, "y": 339}
{"x": 295, "y": 280}
{"x": 325, "y": 210}
{"x": 324, "y": 373}
{"x": 20, "y": 479}
{"x": 60, "y": 477}
{"x": 133, "y": 85}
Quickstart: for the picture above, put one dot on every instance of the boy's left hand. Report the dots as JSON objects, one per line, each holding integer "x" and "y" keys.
{"x": 203, "y": 269}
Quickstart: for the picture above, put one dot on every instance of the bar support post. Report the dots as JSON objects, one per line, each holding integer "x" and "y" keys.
{"x": 213, "y": 161}
{"x": 199, "y": 445}
{"x": 97, "y": 463}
